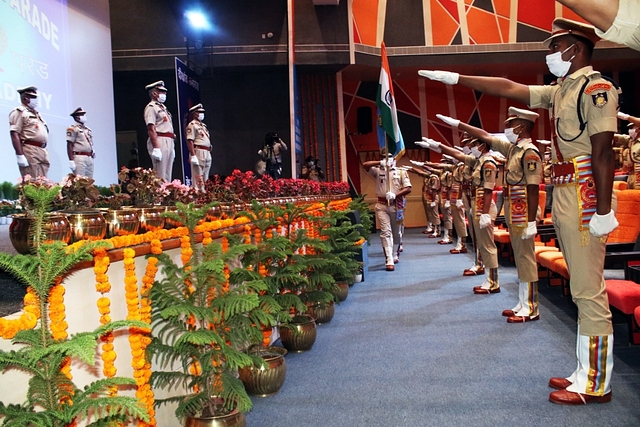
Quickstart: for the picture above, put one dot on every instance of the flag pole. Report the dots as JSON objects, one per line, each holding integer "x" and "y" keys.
{"x": 386, "y": 166}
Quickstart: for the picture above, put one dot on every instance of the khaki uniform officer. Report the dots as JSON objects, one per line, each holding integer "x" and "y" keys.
{"x": 431, "y": 205}
{"x": 631, "y": 142}
{"x": 29, "y": 134}
{"x": 484, "y": 212}
{"x": 522, "y": 174}
{"x": 80, "y": 145}
{"x": 159, "y": 123}
{"x": 446, "y": 181}
{"x": 199, "y": 147}
{"x": 390, "y": 196}
{"x": 457, "y": 211}
{"x": 583, "y": 111}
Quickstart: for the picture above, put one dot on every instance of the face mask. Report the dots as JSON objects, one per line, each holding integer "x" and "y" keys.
{"x": 33, "y": 103}
{"x": 82, "y": 119}
{"x": 466, "y": 150}
{"x": 511, "y": 136}
{"x": 201, "y": 116}
{"x": 310, "y": 164}
{"x": 162, "y": 97}
{"x": 633, "y": 133}
{"x": 390, "y": 163}
{"x": 557, "y": 65}
{"x": 476, "y": 152}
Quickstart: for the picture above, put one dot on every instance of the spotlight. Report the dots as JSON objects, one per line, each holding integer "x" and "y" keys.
{"x": 197, "y": 20}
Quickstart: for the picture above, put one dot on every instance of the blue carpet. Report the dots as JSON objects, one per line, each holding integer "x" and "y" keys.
{"x": 416, "y": 347}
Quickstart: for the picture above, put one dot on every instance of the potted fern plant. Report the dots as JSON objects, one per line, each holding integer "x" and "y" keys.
{"x": 43, "y": 348}
{"x": 202, "y": 324}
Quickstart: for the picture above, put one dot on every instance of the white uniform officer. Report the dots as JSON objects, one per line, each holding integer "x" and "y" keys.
{"x": 159, "y": 123}
{"x": 80, "y": 145}
{"x": 199, "y": 146}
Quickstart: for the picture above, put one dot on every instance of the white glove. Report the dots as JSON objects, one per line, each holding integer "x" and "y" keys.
{"x": 156, "y": 154}
{"x": 445, "y": 77}
{"x": 72, "y": 165}
{"x": 531, "y": 230}
{"x": 416, "y": 162}
{"x": 447, "y": 204}
{"x": 432, "y": 144}
{"x": 433, "y": 204}
{"x": 391, "y": 196}
{"x": 622, "y": 116}
{"x": 194, "y": 160}
{"x": 459, "y": 204}
{"x": 601, "y": 225}
{"x": 448, "y": 120}
{"x": 485, "y": 220}
{"x": 22, "y": 161}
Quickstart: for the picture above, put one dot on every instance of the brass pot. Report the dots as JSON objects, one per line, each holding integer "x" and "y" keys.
{"x": 150, "y": 218}
{"x": 343, "y": 290}
{"x": 121, "y": 222}
{"x": 299, "y": 335}
{"x": 321, "y": 311}
{"x": 234, "y": 419}
{"x": 263, "y": 382}
{"x": 56, "y": 228}
{"x": 87, "y": 225}
{"x": 168, "y": 222}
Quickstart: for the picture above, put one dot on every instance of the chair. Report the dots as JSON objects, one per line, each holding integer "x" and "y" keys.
{"x": 624, "y": 296}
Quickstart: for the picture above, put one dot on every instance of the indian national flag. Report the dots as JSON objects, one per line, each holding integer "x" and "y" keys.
{"x": 387, "y": 113}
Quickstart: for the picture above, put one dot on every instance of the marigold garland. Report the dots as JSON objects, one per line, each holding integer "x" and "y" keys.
{"x": 28, "y": 318}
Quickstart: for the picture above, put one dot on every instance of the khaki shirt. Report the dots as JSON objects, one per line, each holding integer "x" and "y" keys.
{"x": 399, "y": 180}
{"x": 470, "y": 163}
{"x": 632, "y": 150}
{"x": 155, "y": 113}
{"x": 485, "y": 172}
{"x": 81, "y": 137}
{"x": 524, "y": 165}
{"x": 198, "y": 133}
{"x": 28, "y": 124}
{"x": 599, "y": 104}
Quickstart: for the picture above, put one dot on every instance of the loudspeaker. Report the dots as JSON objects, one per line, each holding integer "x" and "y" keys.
{"x": 364, "y": 120}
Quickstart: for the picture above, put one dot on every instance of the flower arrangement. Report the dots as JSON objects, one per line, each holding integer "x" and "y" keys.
{"x": 116, "y": 200}
{"x": 46, "y": 348}
{"x": 77, "y": 193}
{"x": 334, "y": 188}
{"x": 25, "y": 198}
{"x": 175, "y": 191}
{"x": 143, "y": 185}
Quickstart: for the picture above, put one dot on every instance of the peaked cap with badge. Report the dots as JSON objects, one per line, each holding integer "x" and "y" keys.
{"x": 31, "y": 91}
{"x": 78, "y": 112}
{"x": 159, "y": 85}
{"x": 519, "y": 113}
{"x": 564, "y": 27}
{"x": 198, "y": 107}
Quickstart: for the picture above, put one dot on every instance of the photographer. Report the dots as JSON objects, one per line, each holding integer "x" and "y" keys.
{"x": 271, "y": 154}
{"x": 311, "y": 170}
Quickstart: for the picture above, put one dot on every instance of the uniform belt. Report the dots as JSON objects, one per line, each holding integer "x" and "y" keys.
{"x": 563, "y": 173}
{"x": 35, "y": 143}
{"x": 202, "y": 147}
{"x": 83, "y": 153}
{"x": 382, "y": 200}
{"x": 166, "y": 134}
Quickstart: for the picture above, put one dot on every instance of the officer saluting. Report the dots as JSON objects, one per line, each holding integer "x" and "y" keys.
{"x": 159, "y": 123}
{"x": 199, "y": 147}
{"x": 29, "y": 134}
{"x": 583, "y": 108}
{"x": 80, "y": 145}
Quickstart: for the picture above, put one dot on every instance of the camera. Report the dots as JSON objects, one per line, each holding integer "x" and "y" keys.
{"x": 271, "y": 138}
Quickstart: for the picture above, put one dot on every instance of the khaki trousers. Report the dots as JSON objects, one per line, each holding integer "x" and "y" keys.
{"x": 84, "y": 166}
{"x": 38, "y": 159}
{"x": 484, "y": 238}
{"x": 163, "y": 168}
{"x": 523, "y": 250}
{"x": 584, "y": 261}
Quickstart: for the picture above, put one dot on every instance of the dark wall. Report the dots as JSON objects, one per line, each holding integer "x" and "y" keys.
{"x": 242, "y": 105}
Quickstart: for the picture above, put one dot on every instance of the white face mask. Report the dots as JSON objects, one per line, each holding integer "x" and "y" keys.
{"x": 511, "y": 136}
{"x": 476, "y": 152}
{"x": 389, "y": 163}
{"x": 201, "y": 116}
{"x": 557, "y": 65}
{"x": 33, "y": 103}
{"x": 82, "y": 119}
{"x": 162, "y": 97}
{"x": 466, "y": 150}
{"x": 633, "y": 133}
